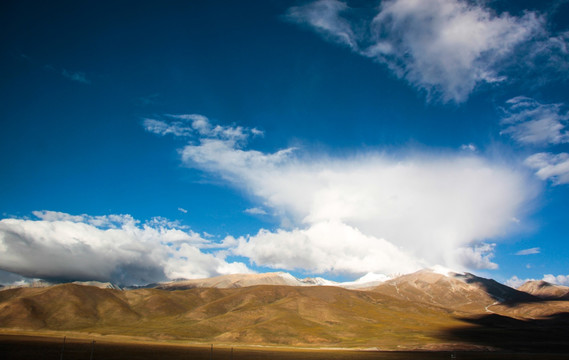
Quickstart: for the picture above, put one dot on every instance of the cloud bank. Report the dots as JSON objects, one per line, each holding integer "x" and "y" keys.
{"x": 446, "y": 48}
{"x": 114, "y": 248}
{"x": 367, "y": 212}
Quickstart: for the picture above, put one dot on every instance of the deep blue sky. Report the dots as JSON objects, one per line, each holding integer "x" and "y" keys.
{"x": 80, "y": 79}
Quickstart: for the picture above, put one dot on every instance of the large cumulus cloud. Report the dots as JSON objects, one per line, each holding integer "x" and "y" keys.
{"x": 367, "y": 212}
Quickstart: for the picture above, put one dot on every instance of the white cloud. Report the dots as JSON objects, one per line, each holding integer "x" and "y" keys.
{"x": 469, "y": 147}
{"x": 190, "y": 125}
{"x": 325, "y": 247}
{"x": 107, "y": 221}
{"x": 531, "y": 251}
{"x": 325, "y": 17}
{"x": 515, "y": 282}
{"x": 112, "y": 248}
{"x": 557, "y": 279}
{"x": 530, "y": 122}
{"x": 162, "y": 128}
{"x": 182, "y": 210}
{"x": 77, "y": 76}
{"x": 256, "y": 211}
{"x": 554, "y": 167}
{"x": 563, "y": 280}
{"x": 188, "y": 262}
{"x": 477, "y": 257}
{"x": 444, "y": 47}
{"x": 422, "y": 209}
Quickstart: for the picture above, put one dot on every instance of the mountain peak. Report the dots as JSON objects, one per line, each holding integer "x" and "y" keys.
{"x": 545, "y": 290}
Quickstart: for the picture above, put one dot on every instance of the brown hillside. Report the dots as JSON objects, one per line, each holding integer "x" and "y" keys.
{"x": 283, "y": 315}
{"x": 63, "y": 307}
{"x": 545, "y": 290}
{"x": 457, "y": 292}
{"x": 414, "y": 311}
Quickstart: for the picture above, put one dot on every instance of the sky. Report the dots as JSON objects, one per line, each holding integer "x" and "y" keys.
{"x": 147, "y": 141}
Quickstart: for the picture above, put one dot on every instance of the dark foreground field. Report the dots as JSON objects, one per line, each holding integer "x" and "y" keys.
{"x": 35, "y": 347}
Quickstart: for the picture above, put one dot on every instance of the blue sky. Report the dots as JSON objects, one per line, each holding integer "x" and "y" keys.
{"x": 144, "y": 141}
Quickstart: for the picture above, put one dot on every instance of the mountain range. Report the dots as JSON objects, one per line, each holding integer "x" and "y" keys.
{"x": 423, "y": 310}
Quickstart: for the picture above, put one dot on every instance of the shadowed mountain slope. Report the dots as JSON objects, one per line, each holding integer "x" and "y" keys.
{"x": 457, "y": 292}
{"x": 544, "y": 335}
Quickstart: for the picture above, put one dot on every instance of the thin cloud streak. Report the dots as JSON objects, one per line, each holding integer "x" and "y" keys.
{"x": 531, "y": 251}
{"x": 76, "y": 76}
{"x": 255, "y": 211}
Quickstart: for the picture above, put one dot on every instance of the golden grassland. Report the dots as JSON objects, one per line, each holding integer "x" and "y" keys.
{"x": 264, "y": 315}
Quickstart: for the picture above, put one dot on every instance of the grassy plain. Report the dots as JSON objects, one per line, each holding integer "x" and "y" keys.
{"x": 21, "y": 347}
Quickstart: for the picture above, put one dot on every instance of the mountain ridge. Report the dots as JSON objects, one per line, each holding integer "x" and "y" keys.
{"x": 545, "y": 290}
{"x": 407, "y": 312}
{"x": 274, "y": 278}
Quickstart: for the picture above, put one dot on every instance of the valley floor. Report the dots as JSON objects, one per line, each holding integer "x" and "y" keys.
{"x": 23, "y": 347}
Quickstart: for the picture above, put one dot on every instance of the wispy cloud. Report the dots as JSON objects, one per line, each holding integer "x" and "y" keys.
{"x": 445, "y": 47}
{"x": 549, "y": 166}
{"x": 77, "y": 76}
{"x": 114, "y": 248}
{"x": 531, "y": 251}
{"x": 182, "y": 210}
{"x": 469, "y": 147}
{"x": 535, "y": 124}
{"x": 191, "y": 125}
{"x": 532, "y": 123}
{"x": 256, "y": 211}
{"x": 325, "y": 17}
{"x": 420, "y": 209}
